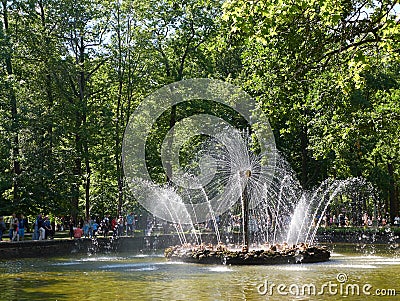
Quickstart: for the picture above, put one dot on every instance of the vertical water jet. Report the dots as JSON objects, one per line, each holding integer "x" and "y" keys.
{"x": 245, "y": 210}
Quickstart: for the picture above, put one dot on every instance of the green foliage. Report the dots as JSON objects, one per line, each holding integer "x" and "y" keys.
{"x": 324, "y": 72}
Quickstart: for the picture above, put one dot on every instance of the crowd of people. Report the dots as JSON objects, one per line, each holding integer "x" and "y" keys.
{"x": 44, "y": 228}
{"x": 92, "y": 227}
{"x": 342, "y": 220}
{"x": 16, "y": 229}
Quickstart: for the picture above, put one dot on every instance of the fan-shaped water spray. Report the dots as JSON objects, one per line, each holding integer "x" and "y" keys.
{"x": 273, "y": 208}
{"x": 234, "y": 177}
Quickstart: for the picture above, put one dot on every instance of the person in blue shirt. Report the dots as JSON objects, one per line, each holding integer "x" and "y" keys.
{"x": 130, "y": 224}
{"x": 95, "y": 226}
{"x": 86, "y": 228}
{"x": 23, "y": 223}
{"x": 47, "y": 228}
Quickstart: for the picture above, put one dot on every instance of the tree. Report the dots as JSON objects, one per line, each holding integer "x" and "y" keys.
{"x": 294, "y": 48}
{"x": 177, "y": 31}
{"x": 130, "y": 58}
{"x": 10, "y": 85}
{"x": 83, "y": 28}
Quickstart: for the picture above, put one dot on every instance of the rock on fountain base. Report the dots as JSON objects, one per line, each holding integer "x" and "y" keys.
{"x": 253, "y": 257}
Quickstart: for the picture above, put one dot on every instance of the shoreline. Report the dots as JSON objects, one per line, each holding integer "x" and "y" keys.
{"x": 66, "y": 246}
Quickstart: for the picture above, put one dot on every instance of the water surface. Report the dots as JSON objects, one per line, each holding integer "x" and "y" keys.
{"x": 150, "y": 277}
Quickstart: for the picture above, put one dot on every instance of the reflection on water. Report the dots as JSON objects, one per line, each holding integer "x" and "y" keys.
{"x": 144, "y": 277}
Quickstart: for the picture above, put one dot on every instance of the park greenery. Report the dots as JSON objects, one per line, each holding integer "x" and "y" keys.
{"x": 326, "y": 73}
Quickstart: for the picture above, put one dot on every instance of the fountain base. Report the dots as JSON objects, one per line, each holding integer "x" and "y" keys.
{"x": 305, "y": 254}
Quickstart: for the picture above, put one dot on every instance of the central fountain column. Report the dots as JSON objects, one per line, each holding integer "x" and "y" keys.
{"x": 245, "y": 211}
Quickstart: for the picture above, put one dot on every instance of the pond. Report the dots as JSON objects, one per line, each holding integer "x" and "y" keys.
{"x": 354, "y": 272}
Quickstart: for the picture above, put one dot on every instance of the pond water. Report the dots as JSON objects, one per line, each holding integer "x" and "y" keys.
{"x": 360, "y": 274}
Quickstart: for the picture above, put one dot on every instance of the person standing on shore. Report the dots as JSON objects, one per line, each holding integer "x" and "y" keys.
{"x": 23, "y": 223}
{"x": 78, "y": 232}
{"x": 42, "y": 230}
{"x": 105, "y": 225}
{"x": 114, "y": 227}
{"x": 71, "y": 228}
{"x": 86, "y": 228}
{"x": 36, "y": 233}
{"x": 48, "y": 230}
{"x": 2, "y": 227}
{"x": 90, "y": 222}
{"x": 120, "y": 226}
{"x": 130, "y": 224}
{"x": 95, "y": 226}
{"x": 13, "y": 234}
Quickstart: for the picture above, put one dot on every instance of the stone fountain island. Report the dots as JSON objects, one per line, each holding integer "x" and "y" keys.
{"x": 270, "y": 255}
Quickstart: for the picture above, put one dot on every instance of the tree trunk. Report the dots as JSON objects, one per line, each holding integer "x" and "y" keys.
{"x": 119, "y": 118}
{"x": 172, "y": 121}
{"x": 77, "y": 180}
{"x": 77, "y": 167}
{"x": 396, "y": 196}
{"x": 83, "y": 116}
{"x": 81, "y": 143}
{"x": 16, "y": 171}
{"x": 87, "y": 182}
{"x": 48, "y": 85}
{"x": 304, "y": 157}
{"x": 393, "y": 202}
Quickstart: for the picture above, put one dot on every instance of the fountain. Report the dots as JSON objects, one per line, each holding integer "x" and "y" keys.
{"x": 292, "y": 250}
{"x": 232, "y": 170}
{"x": 287, "y": 218}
